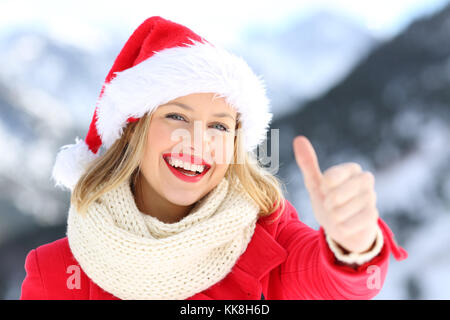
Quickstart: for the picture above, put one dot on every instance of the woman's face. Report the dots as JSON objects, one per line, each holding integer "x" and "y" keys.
{"x": 193, "y": 129}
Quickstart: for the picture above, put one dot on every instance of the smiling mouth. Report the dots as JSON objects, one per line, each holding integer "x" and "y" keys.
{"x": 197, "y": 171}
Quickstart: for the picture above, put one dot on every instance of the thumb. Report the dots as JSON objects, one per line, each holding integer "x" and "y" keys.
{"x": 307, "y": 161}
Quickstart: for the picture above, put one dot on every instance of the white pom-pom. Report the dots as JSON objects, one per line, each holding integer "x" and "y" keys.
{"x": 71, "y": 162}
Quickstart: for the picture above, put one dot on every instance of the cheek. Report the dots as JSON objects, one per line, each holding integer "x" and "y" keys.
{"x": 159, "y": 136}
{"x": 158, "y": 141}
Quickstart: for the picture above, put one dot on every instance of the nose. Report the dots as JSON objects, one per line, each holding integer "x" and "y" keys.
{"x": 200, "y": 142}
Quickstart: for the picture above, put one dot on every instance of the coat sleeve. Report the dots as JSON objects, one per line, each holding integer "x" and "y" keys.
{"x": 32, "y": 286}
{"x": 312, "y": 271}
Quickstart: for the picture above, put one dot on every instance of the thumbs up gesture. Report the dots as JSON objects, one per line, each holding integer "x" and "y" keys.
{"x": 343, "y": 198}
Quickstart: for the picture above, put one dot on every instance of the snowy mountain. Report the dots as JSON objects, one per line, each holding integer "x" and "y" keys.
{"x": 47, "y": 94}
{"x": 305, "y": 58}
{"x": 70, "y": 77}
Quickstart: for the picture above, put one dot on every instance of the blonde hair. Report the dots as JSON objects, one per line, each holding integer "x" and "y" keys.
{"x": 122, "y": 161}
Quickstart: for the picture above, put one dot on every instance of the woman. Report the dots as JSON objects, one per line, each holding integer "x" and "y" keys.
{"x": 177, "y": 207}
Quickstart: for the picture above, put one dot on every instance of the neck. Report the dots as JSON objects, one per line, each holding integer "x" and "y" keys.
{"x": 150, "y": 202}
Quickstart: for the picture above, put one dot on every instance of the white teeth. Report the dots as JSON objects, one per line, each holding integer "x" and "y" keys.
{"x": 187, "y": 166}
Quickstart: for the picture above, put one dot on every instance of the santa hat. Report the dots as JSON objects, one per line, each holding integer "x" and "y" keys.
{"x": 161, "y": 61}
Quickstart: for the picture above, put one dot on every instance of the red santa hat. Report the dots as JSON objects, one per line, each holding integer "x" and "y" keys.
{"x": 161, "y": 61}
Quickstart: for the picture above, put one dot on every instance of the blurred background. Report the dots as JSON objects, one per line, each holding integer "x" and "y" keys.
{"x": 365, "y": 81}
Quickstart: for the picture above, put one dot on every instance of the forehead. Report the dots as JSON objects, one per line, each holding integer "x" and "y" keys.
{"x": 199, "y": 100}
{"x": 203, "y": 103}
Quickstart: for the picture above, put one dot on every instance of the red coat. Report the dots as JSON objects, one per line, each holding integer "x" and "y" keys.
{"x": 284, "y": 260}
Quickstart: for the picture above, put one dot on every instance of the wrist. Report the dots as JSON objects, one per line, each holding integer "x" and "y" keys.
{"x": 346, "y": 251}
{"x": 346, "y": 256}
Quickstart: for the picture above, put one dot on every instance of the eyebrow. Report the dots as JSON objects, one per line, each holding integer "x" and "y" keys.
{"x": 184, "y": 106}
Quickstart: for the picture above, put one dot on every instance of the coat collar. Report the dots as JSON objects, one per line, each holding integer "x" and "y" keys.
{"x": 263, "y": 253}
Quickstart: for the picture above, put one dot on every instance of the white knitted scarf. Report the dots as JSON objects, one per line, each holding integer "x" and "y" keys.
{"x": 136, "y": 256}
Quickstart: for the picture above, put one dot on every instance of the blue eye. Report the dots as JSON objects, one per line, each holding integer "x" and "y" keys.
{"x": 173, "y": 115}
{"x": 224, "y": 128}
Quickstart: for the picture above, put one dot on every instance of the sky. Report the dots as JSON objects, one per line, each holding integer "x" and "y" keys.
{"x": 84, "y": 22}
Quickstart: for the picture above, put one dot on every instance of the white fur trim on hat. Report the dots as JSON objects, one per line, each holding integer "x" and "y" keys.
{"x": 71, "y": 163}
{"x": 179, "y": 71}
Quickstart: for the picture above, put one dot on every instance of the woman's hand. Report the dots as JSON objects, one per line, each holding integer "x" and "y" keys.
{"x": 343, "y": 198}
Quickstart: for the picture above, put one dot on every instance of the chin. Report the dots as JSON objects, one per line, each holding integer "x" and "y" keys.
{"x": 182, "y": 198}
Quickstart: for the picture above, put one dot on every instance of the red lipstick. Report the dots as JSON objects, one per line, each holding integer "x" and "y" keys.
{"x": 190, "y": 159}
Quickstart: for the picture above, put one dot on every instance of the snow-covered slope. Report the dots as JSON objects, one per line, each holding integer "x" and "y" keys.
{"x": 306, "y": 57}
